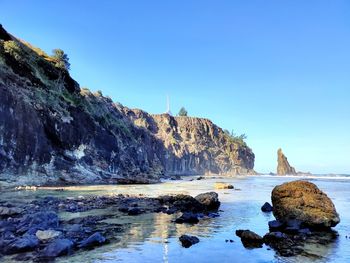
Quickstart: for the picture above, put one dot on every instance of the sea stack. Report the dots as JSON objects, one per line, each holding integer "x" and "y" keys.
{"x": 283, "y": 166}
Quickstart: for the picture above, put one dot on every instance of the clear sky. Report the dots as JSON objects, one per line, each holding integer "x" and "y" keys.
{"x": 278, "y": 71}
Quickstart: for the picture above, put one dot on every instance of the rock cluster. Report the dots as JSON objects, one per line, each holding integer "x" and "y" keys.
{"x": 36, "y": 229}
{"x": 303, "y": 213}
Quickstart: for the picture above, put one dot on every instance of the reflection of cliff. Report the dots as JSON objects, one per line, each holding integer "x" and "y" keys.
{"x": 158, "y": 227}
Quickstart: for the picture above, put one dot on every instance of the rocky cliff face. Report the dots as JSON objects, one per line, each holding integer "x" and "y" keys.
{"x": 53, "y": 132}
{"x": 283, "y": 166}
{"x": 195, "y": 145}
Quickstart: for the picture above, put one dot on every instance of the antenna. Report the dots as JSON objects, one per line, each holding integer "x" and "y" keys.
{"x": 168, "y": 106}
{"x": 167, "y": 103}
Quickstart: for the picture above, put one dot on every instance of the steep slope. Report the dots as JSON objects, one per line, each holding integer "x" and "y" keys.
{"x": 53, "y": 132}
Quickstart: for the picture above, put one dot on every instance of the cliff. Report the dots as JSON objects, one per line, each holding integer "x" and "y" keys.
{"x": 195, "y": 145}
{"x": 283, "y": 166}
{"x": 52, "y": 132}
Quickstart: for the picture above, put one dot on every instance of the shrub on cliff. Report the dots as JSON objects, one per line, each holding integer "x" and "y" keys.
{"x": 12, "y": 48}
{"x": 183, "y": 112}
{"x": 236, "y": 138}
{"x": 61, "y": 59}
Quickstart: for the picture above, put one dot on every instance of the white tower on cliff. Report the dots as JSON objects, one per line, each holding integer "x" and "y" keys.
{"x": 168, "y": 106}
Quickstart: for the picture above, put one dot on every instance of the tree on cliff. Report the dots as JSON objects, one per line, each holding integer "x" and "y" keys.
{"x": 236, "y": 138}
{"x": 183, "y": 112}
{"x": 61, "y": 59}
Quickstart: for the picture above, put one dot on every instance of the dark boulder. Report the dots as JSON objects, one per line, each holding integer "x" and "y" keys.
{"x": 40, "y": 220}
{"x": 282, "y": 243}
{"x": 303, "y": 201}
{"x": 23, "y": 244}
{"x": 9, "y": 211}
{"x": 187, "y": 241}
{"x": 95, "y": 239}
{"x": 292, "y": 226}
{"x": 276, "y": 225}
{"x": 58, "y": 247}
{"x": 209, "y": 200}
{"x": 250, "y": 239}
{"x": 134, "y": 211}
{"x": 181, "y": 202}
{"x": 267, "y": 207}
{"x": 187, "y": 217}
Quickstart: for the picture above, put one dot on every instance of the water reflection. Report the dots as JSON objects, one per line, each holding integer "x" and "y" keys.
{"x": 153, "y": 237}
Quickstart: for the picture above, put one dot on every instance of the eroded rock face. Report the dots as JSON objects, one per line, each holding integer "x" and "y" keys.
{"x": 283, "y": 166}
{"x": 302, "y": 201}
{"x": 195, "y": 145}
{"x": 54, "y": 133}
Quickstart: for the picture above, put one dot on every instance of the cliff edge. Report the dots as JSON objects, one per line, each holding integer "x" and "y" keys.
{"x": 52, "y": 132}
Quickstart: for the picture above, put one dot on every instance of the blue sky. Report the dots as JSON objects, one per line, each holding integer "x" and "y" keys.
{"x": 278, "y": 71}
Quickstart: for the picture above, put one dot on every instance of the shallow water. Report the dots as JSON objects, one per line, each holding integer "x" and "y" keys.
{"x": 154, "y": 238}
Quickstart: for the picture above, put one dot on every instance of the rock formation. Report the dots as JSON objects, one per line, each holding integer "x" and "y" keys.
{"x": 52, "y": 132}
{"x": 283, "y": 166}
{"x": 194, "y": 145}
{"x": 304, "y": 202}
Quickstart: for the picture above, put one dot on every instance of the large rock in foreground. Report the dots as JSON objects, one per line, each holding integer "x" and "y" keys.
{"x": 303, "y": 201}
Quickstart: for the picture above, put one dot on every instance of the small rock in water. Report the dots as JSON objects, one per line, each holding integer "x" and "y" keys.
{"x": 123, "y": 209}
{"x": 267, "y": 207}
{"x": 187, "y": 217}
{"x": 93, "y": 240}
{"x": 281, "y": 243}
{"x": 250, "y": 239}
{"x": 188, "y": 241}
{"x": 134, "y": 211}
{"x": 223, "y": 186}
{"x": 210, "y": 200}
